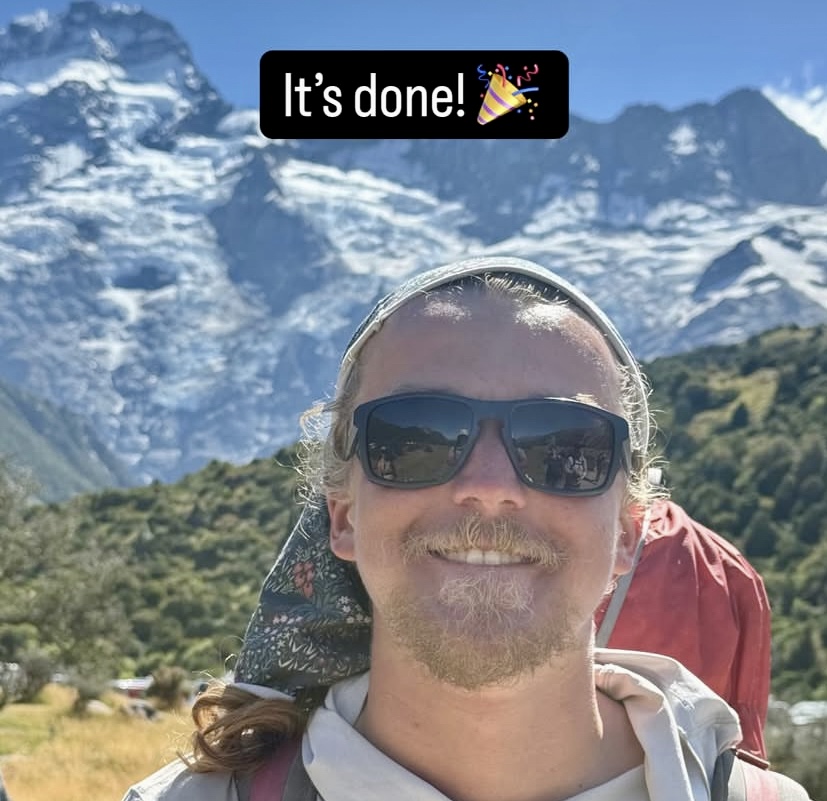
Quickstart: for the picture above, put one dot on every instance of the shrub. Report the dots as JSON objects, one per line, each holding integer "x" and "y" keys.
{"x": 38, "y": 668}
{"x": 169, "y": 686}
{"x": 89, "y": 688}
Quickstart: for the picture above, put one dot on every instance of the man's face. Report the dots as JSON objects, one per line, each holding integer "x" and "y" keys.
{"x": 417, "y": 551}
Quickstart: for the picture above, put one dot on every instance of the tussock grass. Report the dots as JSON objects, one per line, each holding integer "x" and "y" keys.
{"x": 46, "y": 754}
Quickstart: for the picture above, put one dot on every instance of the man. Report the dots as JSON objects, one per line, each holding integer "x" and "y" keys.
{"x": 575, "y": 469}
{"x": 448, "y": 625}
{"x": 455, "y": 454}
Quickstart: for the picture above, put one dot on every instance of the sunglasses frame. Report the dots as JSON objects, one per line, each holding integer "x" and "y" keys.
{"x": 501, "y": 411}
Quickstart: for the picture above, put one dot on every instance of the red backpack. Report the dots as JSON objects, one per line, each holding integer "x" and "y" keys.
{"x": 695, "y": 598}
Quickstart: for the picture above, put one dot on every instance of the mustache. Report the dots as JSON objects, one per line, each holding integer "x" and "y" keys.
{"x": 472, "y": 532}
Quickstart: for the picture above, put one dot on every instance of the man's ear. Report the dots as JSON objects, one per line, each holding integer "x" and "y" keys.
{"x": 627, "y": 540}
{"x": 341, "y": 529}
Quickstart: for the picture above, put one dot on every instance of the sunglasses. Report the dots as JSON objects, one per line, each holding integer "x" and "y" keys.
{"x": 558, "y": 446}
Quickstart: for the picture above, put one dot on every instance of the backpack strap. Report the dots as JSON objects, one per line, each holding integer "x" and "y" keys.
{"x": 727, "y": 781}
{"x": 298, "y": 786}
{"x": 282, "y": 777}
{"x": 621, "y": 588}
{"x": 740, "y": 780}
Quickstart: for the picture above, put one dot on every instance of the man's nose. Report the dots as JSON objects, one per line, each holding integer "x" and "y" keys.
{"x": 487, "y": 481}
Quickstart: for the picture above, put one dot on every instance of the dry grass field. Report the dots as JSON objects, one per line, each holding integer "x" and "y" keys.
{"x": 48, "y": 755}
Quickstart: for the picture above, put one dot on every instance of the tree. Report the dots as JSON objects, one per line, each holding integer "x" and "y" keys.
{"x": 785, "y": 496}
{"x": 812, "y": 460}
{"x": 37, "y": 667}
{"x": 58, "y": 584}
{"x": 768, "y": 463}
{"x": 812, "y": 525}
{"x": 697, "y": 395}
{"x": 682, "y": 410}
{"x": 760, "y": 536}
{"x": 740, "y": 417}
{"x": 810, "y": 491}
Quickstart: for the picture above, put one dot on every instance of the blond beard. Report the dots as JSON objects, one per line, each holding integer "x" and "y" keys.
{"x": 491, "y": 635}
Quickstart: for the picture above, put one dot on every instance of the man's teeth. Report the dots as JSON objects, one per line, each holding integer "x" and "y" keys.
{"x": 478, "y": 557}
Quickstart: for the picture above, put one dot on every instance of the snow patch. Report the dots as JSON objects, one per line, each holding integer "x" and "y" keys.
{"x": 38, "y": 21}
{"x": 794, "y": 268}
{"x": 59, "y": 161}
{"x": 683, "y": 140}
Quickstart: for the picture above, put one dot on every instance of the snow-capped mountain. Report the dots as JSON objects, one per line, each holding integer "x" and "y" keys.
{"x": 188, "y": 285}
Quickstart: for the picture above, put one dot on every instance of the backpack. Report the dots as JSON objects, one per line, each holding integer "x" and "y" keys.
{"x": 693, "y": 596}
{"x": 734, "y": 779}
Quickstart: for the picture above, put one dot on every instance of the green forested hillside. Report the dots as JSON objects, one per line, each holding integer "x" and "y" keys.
{"x": 170, "y": 574}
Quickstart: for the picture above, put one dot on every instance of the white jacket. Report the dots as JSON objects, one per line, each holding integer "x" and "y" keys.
{"x": 680, "y": 723}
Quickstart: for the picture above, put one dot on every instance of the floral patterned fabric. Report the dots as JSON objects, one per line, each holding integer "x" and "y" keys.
{"x": 312, "y": 623}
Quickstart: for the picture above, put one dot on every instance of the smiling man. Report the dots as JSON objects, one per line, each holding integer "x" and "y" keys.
{"x": 428, "y": 632}
{"x": 476, "y": 572}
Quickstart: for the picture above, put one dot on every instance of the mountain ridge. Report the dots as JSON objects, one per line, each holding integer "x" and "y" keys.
{"x": 188, "y": 285}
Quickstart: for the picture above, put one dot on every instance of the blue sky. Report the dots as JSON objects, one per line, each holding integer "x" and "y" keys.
{"x": 621, "y": 52}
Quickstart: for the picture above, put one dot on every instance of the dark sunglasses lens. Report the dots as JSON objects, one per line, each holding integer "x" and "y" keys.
{"x": 562, "y": 447}
{"x": 417, "y": 440}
